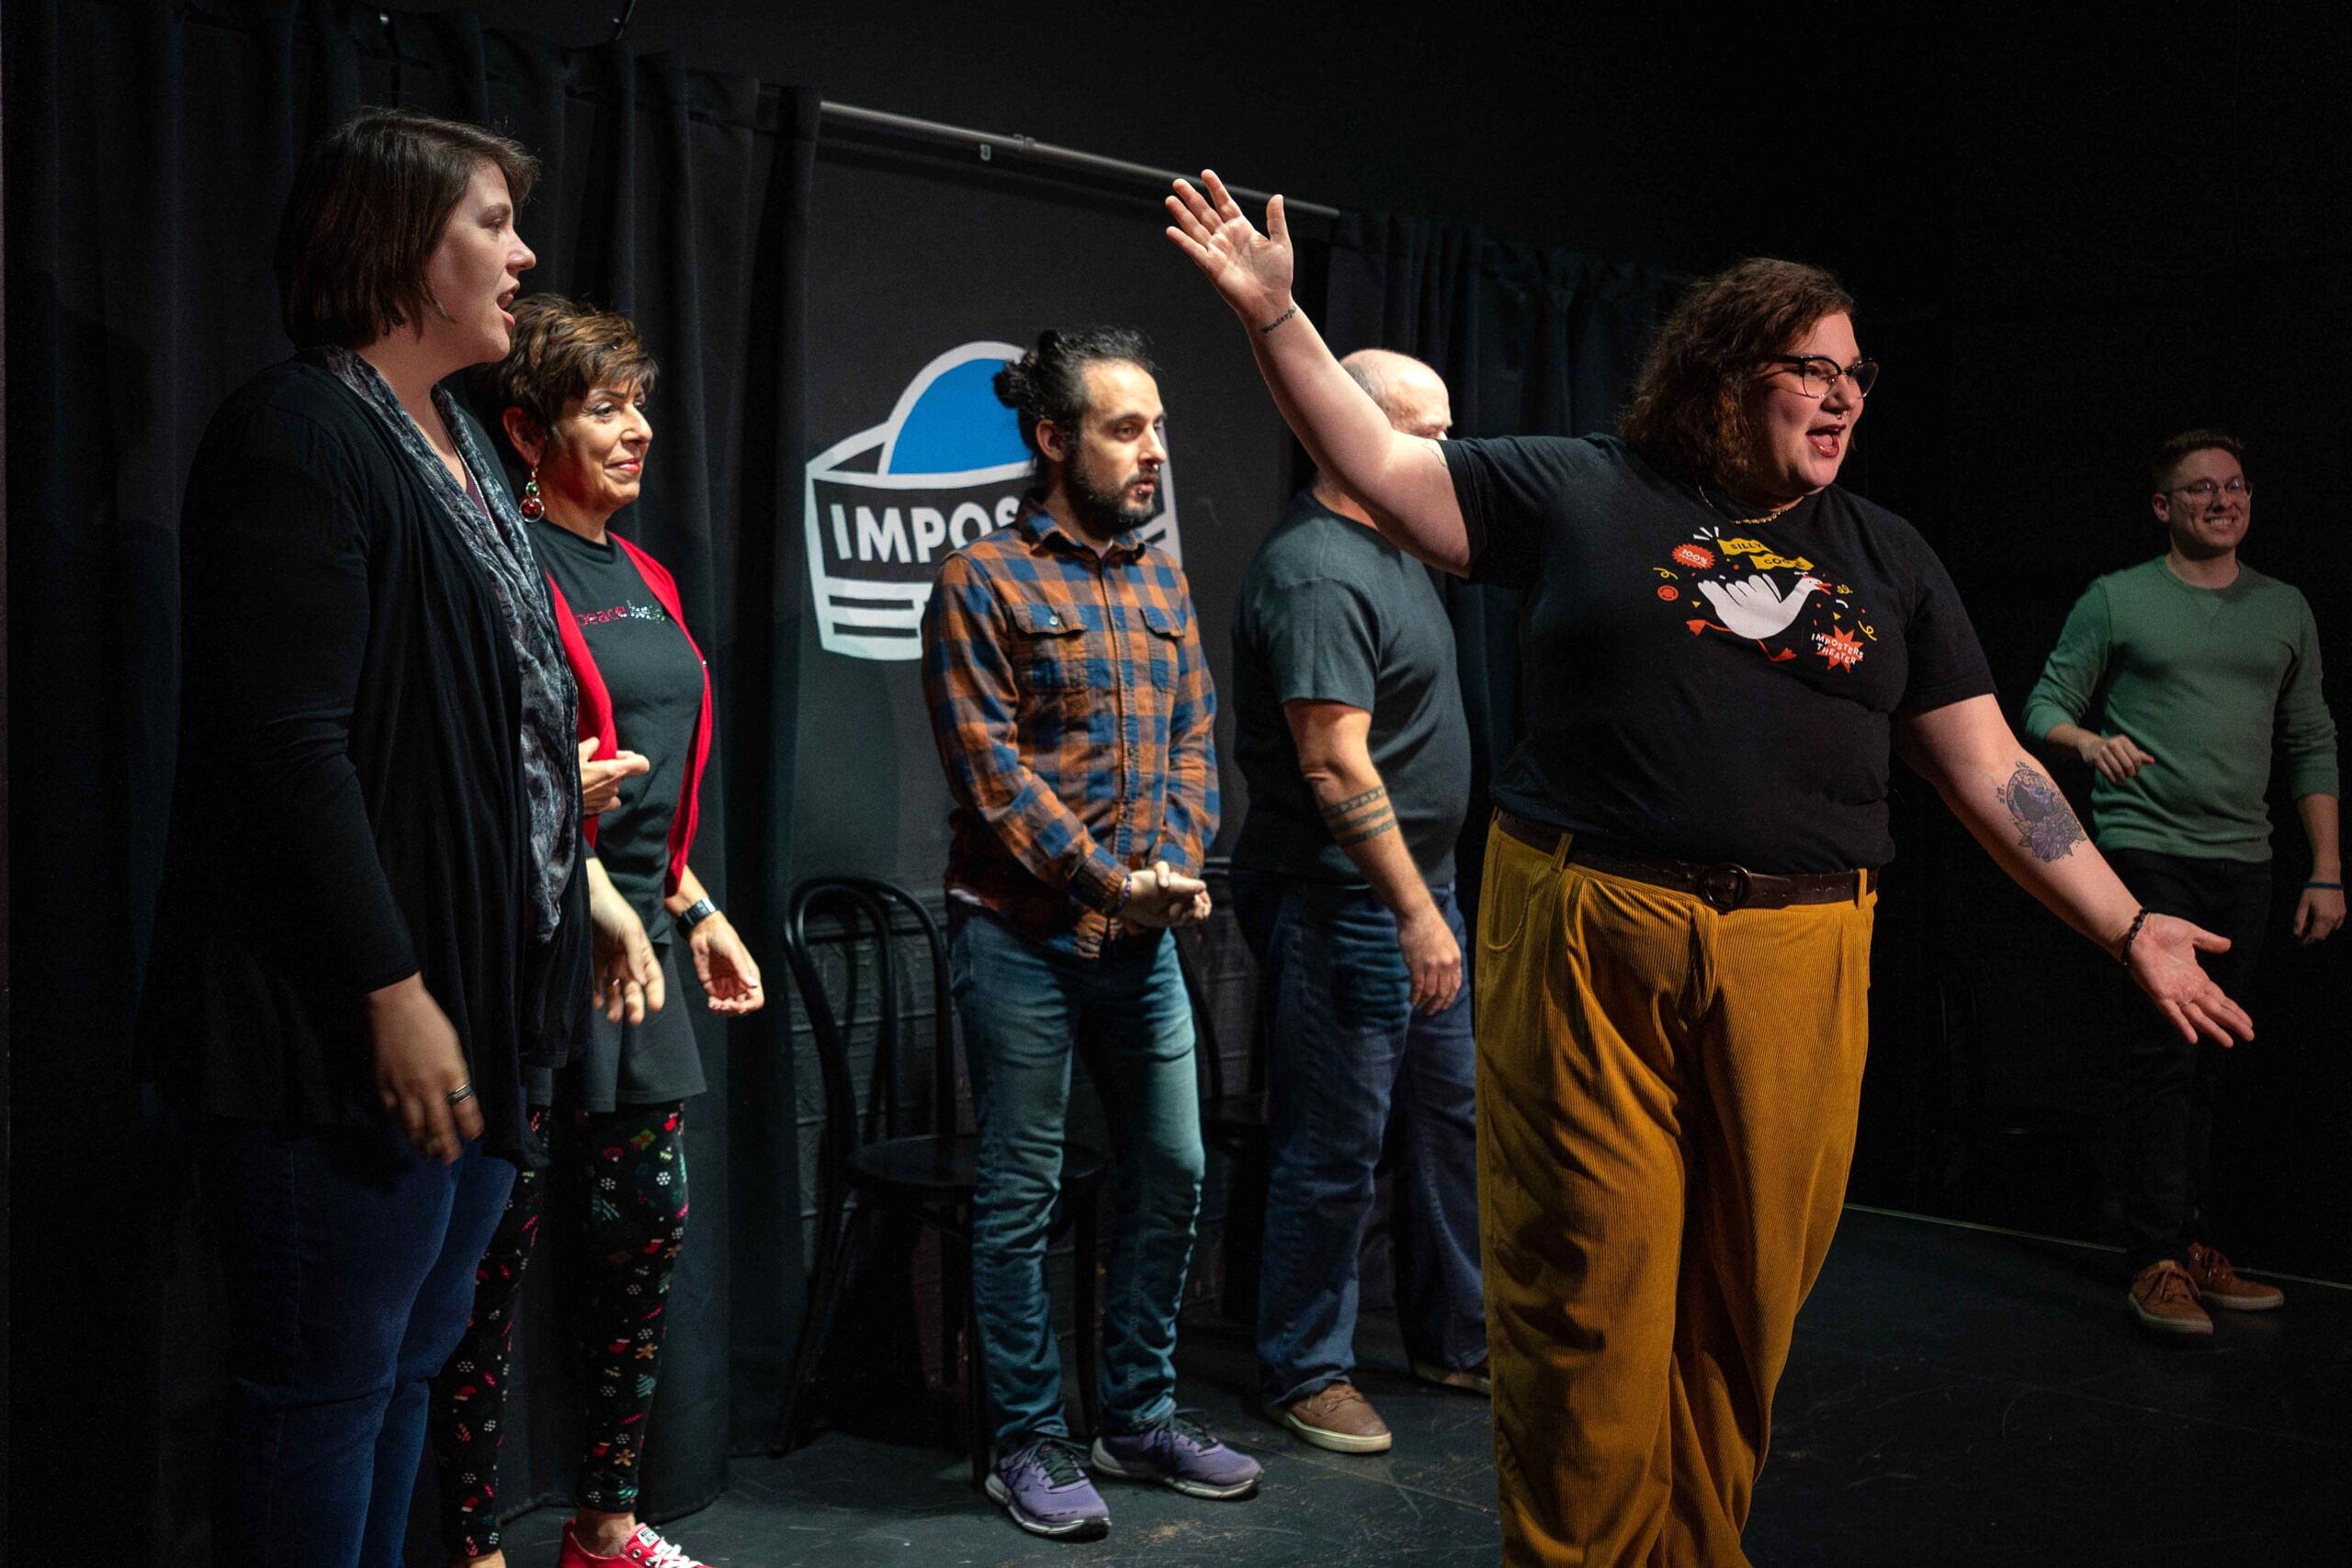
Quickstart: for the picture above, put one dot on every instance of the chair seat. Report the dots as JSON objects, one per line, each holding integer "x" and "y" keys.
{"x": 933, "y": 1164}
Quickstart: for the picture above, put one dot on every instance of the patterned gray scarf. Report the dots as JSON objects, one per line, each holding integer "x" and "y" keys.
{"x": 502, "y": 549}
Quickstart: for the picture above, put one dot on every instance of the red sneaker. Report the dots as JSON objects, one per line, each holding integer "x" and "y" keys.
{"x": 646, "y": 1548}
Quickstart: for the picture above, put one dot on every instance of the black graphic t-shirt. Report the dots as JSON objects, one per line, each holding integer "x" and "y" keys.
{"x": 656, "y": 684}
{"x": 1699, "y": 686}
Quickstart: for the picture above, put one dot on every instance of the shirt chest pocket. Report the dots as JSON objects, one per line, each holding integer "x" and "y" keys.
{"x": 1165, "y": 640}
{"x": 1050, "y": 652}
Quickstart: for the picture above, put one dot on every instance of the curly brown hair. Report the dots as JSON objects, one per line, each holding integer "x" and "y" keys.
{"x": 1690, "y": 403}
{"x": 562, "y": 350}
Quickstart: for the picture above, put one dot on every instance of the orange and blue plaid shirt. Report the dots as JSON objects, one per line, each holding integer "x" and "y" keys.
{"x": 1074, "y": 713}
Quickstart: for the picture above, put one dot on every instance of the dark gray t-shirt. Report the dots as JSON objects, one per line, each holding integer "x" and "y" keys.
{"x": 1700, "y": 685}
{"x": 1331, "y": 612}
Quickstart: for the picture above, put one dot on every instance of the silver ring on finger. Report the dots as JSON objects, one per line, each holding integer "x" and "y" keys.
{"x": 461, "y": 1094}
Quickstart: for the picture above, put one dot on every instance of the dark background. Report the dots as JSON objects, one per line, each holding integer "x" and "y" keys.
{"x": 2066, "y": 243}
{"x": 2068, "y": 237}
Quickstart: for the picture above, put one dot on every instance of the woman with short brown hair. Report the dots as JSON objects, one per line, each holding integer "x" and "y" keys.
{"x": 1722, "y": 647}
{"x": 575, "y": 392}
{"x": 371, "y": 919}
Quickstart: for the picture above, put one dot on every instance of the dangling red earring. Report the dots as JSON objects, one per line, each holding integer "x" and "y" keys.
{"x": 533, "y": 508}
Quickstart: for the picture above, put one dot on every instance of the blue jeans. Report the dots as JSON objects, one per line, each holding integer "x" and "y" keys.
{"x": 1349, "y": 1063}
{"x": 350, "y": 1265}
{"x": 1025, "y": 1010}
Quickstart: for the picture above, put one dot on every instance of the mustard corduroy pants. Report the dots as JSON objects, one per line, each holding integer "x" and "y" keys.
{"x": 1667, "y": 1095}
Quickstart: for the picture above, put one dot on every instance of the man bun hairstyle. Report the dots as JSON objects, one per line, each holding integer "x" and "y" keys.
{"x": 2166, "y": 460}
{"x": 562, "y": 350}
{"x": 366, "y": 210}
{"x": 1689, "y": 402}
{"x": 1048, "y": 383}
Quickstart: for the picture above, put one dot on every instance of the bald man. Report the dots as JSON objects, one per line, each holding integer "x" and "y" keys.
{"x": 1352, "y": 740}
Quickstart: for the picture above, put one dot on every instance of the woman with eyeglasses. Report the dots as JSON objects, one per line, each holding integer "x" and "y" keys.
{"x": 1722, "y": 648}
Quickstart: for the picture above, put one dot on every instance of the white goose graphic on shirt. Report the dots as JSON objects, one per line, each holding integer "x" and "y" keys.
{"x": 1755, "y": 606}
{"x": 1742, "y": 588}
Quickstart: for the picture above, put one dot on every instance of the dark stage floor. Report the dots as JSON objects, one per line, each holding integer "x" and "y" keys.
{"x": 1955, "y": 1396}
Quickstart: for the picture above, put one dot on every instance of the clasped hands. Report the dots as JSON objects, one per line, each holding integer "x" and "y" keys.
{"x": 1158, "y": 897}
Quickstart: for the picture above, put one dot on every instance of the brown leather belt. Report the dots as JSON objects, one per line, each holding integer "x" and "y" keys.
{"x": 1727, "y": 885}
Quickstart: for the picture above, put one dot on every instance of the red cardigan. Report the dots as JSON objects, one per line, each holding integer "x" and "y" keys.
{"x": 596, "y": 702}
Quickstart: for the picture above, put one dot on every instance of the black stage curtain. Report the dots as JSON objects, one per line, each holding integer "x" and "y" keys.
{"x": 148, "y": 149}
{"x": 1531, "y": 343}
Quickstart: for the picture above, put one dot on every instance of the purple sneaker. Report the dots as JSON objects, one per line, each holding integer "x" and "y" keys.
{"x": 1042, "y": 1485}
{"x": 1179, "y": 1452}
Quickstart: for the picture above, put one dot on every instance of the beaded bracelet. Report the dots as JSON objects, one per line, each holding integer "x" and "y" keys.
{"x": 2123, "y": 950}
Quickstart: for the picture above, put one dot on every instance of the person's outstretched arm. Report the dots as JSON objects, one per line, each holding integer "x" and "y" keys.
{"x": 1967, "y": 751}
{"x": 1401, "y": 479}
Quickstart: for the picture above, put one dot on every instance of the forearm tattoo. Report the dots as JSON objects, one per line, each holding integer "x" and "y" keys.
{"x": 1360, "y": 816}
{"x": 2046, "y": 825}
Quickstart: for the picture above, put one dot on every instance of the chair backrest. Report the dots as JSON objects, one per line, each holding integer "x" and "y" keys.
{"x": 1195, "y": 950}
{"x": 865, "y": 911}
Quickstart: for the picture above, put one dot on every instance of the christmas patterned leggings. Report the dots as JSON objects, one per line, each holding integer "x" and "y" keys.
{"x": 631, "y": 1167}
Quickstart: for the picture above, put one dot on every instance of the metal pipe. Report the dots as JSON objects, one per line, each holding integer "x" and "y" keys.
{"x": 989, "y": 145}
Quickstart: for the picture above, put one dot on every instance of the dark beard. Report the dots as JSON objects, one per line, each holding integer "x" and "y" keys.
{"x": 1107, "y": 515}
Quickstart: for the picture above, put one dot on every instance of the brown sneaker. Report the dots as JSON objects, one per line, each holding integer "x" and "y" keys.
{"x": 1336, "y": 1416}
{"x": 2165, "y": 1298}
{"x": 1469, "y": 1380}
{"x": 2218, "y": 1284}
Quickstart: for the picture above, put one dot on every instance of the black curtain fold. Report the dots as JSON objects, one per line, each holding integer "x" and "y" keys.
{"x": 149, "y": 148}
{"x": 1531, "y": 341}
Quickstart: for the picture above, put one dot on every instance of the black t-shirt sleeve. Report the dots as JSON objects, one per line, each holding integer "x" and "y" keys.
{"x": 1510, "y": 490}
{"x": 1322, "y": 642}
{"x": 1947, "y": 662}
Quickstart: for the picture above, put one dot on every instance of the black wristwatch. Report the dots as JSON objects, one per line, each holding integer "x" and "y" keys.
{"x": 696, "y": 914}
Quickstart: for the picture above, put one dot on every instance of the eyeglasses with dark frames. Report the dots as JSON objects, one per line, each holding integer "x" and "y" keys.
{"x": 1817, "y": 373}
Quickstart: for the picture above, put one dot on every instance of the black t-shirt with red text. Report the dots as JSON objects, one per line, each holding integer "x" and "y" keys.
{"x": 656, "y": 684}
{"x": 1700, "y": 685}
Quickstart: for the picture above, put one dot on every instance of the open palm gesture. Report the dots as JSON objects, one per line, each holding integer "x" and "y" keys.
{"x": 1250, "y": 270}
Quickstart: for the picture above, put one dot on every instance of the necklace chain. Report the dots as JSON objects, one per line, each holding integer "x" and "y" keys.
{"x": 1761, "y": 517}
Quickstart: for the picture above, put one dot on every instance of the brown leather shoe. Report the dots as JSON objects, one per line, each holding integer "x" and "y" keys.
{"x": 2218, "y": 1284}
{"x": 1338, "y": 1417}
{"x": 2165, "y": 1298}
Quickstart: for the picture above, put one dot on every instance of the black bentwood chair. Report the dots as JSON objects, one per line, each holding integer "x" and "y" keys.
{"x": 885, "y": 1158}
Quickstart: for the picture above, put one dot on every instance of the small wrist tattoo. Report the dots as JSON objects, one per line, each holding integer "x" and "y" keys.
{"x": 1278, "y": 320}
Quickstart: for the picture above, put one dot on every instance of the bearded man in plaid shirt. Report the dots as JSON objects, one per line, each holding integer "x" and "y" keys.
{"x": 1071, "y": 703}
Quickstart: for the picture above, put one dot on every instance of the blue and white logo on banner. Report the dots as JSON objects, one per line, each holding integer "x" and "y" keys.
{"x": 887, "y": 505}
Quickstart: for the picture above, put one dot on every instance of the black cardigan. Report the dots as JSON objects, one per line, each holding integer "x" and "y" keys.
{"x": 349, "y": 809}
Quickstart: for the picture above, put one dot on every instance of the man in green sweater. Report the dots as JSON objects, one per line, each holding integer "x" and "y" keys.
{"x": 2200, "y": 665}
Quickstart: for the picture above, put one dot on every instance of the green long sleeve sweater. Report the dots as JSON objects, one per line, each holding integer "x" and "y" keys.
{"x": 2207, "y": 680}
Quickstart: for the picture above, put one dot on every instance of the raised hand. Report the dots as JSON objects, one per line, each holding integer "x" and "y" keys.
{"x": 1251, "y": 271}
{"x": 2163, "y": 961}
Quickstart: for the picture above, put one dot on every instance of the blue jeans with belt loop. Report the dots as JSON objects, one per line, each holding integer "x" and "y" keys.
{"x": 1026, "y": 1010}
{"x": 1349, "y": 1064}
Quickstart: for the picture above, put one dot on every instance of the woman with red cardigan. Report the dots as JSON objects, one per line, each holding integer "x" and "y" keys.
{"x": 574, "y": 389}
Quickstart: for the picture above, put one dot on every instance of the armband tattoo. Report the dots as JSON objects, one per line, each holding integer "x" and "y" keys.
{"x": 1360, "y": 816}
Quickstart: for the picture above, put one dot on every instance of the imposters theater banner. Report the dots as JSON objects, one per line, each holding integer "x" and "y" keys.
{"x": 887, "y": 505}
{"x": 926, "y": 277}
